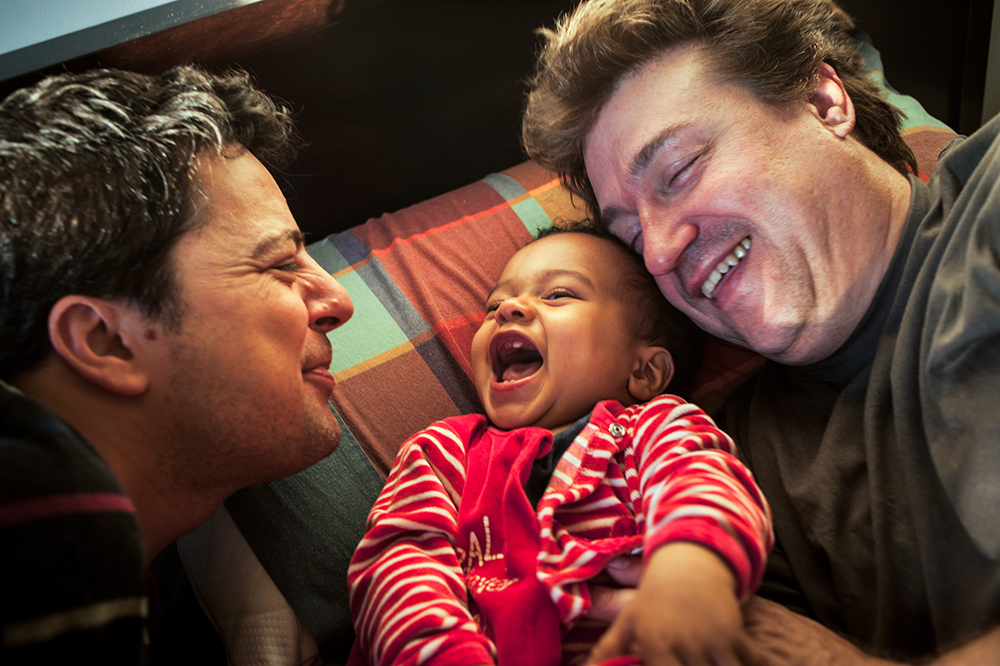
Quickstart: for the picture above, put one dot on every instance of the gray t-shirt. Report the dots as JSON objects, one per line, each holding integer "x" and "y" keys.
{"x": 882, "y": 463}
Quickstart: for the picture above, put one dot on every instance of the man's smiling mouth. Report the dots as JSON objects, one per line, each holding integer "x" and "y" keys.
{"x": 731, "y": 261}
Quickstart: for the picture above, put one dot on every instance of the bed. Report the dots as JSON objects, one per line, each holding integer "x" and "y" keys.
{"x": 411, "y": 108}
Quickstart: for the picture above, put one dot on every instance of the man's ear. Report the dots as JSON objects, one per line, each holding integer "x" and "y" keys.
{"x": 831, "y": 103}
{"x": 652, "y": 373}
{"x": 98, "y": 339}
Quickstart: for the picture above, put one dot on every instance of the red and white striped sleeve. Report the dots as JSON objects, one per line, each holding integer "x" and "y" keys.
{"x": 407, "y": 593}
{"x": 694, "y": 488}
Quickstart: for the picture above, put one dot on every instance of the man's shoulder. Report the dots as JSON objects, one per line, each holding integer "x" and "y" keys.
{"x": 41, "y": 454}
{"x": 964, "y": 156}
{"x": 52, "y": 481}
{"x": 70, "y": 543}
{"x": 24, "y": 418}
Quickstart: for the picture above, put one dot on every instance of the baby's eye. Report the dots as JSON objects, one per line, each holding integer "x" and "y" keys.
{"x": 558, "y": 293}
{"x": 491, "y": 306}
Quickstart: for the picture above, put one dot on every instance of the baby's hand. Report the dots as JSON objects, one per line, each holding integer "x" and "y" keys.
{"x": 685, "y": 611}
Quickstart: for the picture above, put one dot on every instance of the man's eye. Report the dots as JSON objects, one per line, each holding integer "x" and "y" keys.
{"x": 679, "y": 176}
{"x": 286, "y": 272}
{"x": 636, "y": 243}
{"x": 629, "y": 231}
{"x": 290, "y": 267}
{"x": 687, "y": 169}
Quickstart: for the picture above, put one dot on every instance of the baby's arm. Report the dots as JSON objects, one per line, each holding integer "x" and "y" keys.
{"x": 407, "y": 592}
{"x": 708, "y": 532}
{"x": 684, "y": 611}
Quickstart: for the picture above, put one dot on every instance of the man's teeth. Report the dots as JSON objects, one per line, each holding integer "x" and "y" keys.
{"x": 731, "y": 260}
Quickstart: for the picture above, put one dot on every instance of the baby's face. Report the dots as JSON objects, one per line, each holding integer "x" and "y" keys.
{"x": 555, "y": 339}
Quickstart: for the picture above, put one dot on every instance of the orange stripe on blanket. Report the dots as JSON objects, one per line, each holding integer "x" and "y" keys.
{"x": 440, "y": 327}
{"x": 457, "y": 344}
{"x": 530, "y": 194}
{"x": 384, "y": 357}
{"x": 460, "y": 322}
{"x": 925, "y": 128}
{"x": 544, "y": 187}
{"x": 25, "y": 511}
{"x": 466, "y": 218}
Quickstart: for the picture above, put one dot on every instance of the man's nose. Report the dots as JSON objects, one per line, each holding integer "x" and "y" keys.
{"x": 665, "y": 239}
{"x": 329, "y": 304}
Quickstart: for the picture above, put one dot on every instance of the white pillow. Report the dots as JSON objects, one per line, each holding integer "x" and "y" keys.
{"x": 257, "y": 625}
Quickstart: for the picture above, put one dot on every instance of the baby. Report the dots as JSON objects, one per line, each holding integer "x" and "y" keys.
{"x": 480, "y": 546}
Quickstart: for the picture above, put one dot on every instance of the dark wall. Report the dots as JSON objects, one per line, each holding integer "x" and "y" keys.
{"x": 934, "y": 50}
{"x": 397, "y": 100}
{"x": 398, "y": 106}
{"x": 401, "y": 100}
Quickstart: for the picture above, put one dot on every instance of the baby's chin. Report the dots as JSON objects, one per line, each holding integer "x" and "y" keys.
{"x": 507, "y": 422}
{"x": 513, "y": 421}
{"x": 509, "y": 418}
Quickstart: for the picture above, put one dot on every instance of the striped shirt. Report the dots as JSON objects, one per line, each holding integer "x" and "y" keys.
{"x": 73, "y": 588}
{"x": 634, "y": 478}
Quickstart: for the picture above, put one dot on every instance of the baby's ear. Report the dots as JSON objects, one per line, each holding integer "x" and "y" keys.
{"x": 652, "y": 373}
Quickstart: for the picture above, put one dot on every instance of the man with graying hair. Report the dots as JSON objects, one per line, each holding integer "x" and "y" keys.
{"x": 164, "y": 340}
{"x": 737, "y": 145}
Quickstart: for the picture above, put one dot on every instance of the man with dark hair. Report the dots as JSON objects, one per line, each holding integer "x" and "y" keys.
{"x": 164, "y": 340}
{"x": 737, "y": 146}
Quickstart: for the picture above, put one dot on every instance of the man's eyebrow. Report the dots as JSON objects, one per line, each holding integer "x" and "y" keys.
{"x": 643, "y": 158}
{"x": 269, "y": 242}
{"x": 640, "y": 163}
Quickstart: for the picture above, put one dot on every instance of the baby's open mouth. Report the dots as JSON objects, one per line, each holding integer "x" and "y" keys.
{"x": 514, "y": 357}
